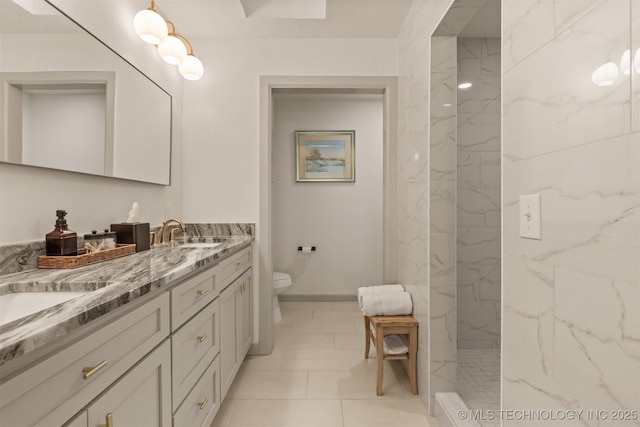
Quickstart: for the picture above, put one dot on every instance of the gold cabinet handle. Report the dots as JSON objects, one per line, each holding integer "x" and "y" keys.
{"x": 109, "y": 421}
{"x": 202, "y": 404}
{"x": 201, "y": 338}
{"x": 203, "y": 291}
{"x": 87, "y": 372}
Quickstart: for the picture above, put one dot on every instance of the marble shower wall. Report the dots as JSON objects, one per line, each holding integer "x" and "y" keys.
{"x": 442, "y": 219}
{"x": 413, "y": 170}
{"x": 571, "y": 301}
{"x": 478, "y": 194}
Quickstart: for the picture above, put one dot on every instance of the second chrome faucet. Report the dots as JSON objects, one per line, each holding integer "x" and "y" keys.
{"x": 163, "y": 232}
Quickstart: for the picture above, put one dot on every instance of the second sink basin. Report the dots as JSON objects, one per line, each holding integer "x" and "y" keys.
{"x": 17, "y": 305}
{"x": 200, "y": 245}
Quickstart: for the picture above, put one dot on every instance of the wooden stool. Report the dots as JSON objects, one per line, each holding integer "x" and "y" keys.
{"x": 387, "y": 325}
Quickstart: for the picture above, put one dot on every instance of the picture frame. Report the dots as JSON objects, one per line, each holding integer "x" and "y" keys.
{"x": 325, "y": 156}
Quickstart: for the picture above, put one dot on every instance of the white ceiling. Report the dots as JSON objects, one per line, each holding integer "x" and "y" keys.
{"x": 217, "y": 19}
{"x": 344, "y": 19}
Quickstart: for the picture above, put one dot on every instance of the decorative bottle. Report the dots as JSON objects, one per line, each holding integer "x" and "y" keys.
{"x": 61, "y": 241}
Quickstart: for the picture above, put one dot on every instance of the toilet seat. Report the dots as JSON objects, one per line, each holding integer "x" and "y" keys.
{"x": 281, "y": 280}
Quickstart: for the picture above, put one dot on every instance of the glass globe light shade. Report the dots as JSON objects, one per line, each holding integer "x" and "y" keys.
{"x": 625, "y": 62}
{"x": 191, "y": 68}
{"x": 605, "y": 74}
{"x": 172, "y": 50}
{"x": 150, "y": 26}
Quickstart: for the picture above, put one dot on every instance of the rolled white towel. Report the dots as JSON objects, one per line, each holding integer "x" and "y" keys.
{"x": 377, "y": 290}
{"x": 387, "y": 304}
{"x": 395, "y": 344}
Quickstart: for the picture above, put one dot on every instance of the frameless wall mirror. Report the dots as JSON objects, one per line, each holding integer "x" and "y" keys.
{"x": 69, "y": 102}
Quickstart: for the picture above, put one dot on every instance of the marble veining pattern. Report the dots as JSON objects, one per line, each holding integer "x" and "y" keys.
{"x": 571, "y": 337}
{"x": 16, "y": 257}
{"x": 413, "y": 170}
{"x": 22, "y": 257}
{"x": 442, "y": 238}
{"x": 478, "y": 194}
{"x": 113, "y": 284}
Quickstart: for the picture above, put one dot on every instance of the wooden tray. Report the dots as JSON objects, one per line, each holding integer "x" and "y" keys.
{"x": 84, "y": 258}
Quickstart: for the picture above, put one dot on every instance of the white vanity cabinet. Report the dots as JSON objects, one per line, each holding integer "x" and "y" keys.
{"x": 54, "y": 390}
{"x": 157, "y": 363}
{"x": 197, "y": 345}
{"x": 235, "y": 333}
{"x": 140, "y": 398}
{"x": 137, "y": 399}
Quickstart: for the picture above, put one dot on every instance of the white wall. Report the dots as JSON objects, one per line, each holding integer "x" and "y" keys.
{"x": 343, "y": 220}
{"x": 46, "y": 140}
{"x": 30, "y": 196}
{"x": 222, "y": 116}
{"x": 221, "y": 113}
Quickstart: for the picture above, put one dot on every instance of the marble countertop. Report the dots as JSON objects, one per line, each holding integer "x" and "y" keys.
{"x": 112, "y": 284}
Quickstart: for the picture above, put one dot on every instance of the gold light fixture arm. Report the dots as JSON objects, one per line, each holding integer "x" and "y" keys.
{"x": 186, "y": 43}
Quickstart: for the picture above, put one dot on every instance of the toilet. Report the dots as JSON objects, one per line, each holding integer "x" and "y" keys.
{"x": 281, "y": 282}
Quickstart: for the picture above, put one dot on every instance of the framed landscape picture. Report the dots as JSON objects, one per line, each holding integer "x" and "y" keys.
{"x": 325, "y": 156}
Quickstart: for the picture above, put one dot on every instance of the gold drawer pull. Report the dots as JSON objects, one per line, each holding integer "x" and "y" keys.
{"x": 202, "y": 404}
{"x": 238, "y": 264}
{"x": 203, "y": 291}
{"x": 109, "y": 421}
{"x": 87, "y": 372}
{"x": 201, "y": 338}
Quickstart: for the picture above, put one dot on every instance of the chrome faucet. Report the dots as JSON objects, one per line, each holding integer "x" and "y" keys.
{"x": 163, "y": 237}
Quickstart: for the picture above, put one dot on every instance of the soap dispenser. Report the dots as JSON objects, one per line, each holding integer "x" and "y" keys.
{"x": 61, "y": 241}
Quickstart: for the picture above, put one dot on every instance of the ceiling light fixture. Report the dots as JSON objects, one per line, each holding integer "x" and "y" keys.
{"x": 150, "y": 26}
{"x": 173, "y": 48}
{"x": 625, "y": 62}
{"x": 191, "y": 68}
{"x": 605, "y": 74}
{"x": 465, "y": 85}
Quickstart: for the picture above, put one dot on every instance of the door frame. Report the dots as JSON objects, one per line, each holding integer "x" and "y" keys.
{"x": 385, "y": 85}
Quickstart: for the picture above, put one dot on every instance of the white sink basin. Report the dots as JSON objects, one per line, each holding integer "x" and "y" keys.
{"x": 16, "y": 305}
{"x": 200, "y": 245}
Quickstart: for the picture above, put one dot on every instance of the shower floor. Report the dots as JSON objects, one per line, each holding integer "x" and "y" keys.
{"x": 479, "y": 381}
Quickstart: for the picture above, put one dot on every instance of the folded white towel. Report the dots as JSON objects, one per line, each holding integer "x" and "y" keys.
{"x": 395, "y": 344}
{"x": 387, "y": 304}
{"x": 377, "y": 290}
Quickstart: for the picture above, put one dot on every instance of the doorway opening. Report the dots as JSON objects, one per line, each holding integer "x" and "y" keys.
{"x": 270, "y": 85}
{"x": 465, "y": 208}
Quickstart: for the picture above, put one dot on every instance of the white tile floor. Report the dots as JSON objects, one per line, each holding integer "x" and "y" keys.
{"x": 479, "y": 380}
{"x": 317, "y": 376}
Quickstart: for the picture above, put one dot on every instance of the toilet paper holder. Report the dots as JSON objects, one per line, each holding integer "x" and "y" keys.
{"x": 306, "y": 248}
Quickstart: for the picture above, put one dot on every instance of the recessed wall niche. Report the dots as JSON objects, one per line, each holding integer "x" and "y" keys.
{"x": 59, "y": 120}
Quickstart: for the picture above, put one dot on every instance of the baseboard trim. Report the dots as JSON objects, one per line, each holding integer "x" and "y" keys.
{"x": 284, "y": 297}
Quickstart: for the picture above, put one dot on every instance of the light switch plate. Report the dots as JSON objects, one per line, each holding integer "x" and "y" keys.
{"x": 530, "y": 227}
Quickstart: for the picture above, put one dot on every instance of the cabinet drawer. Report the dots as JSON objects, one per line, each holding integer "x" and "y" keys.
{"x": 140, "y": 397}
{"x": 193, "y": 348}
{"x": 232, "y": 267}
{"x": 54, "y": 390}
{"x": 191, "y": 296}
{"x": 202, "y": 403}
